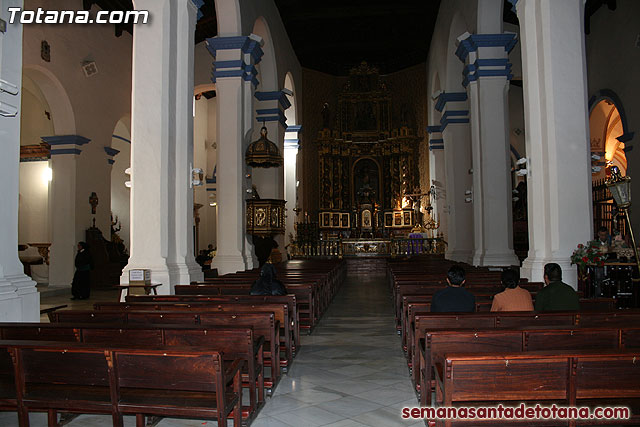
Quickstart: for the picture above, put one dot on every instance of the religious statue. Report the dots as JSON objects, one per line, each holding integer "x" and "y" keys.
{"x": 326, "y": 116}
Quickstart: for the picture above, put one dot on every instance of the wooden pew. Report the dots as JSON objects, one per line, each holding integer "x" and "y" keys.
{"x": 290, "y": 300}
{"x": 235, "y": 342}
{"x": 87, "y": 378}
{"x": 423, "y": 321}
{"x": 438, "y": 343}
{"x": 596, "y": 377}
{"x": 281, "y": 312}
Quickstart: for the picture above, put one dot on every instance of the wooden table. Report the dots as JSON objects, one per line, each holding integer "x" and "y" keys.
{"x": 147, "y": 288}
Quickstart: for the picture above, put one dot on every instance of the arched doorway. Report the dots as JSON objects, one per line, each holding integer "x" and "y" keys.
{"x": 607, "y": 126}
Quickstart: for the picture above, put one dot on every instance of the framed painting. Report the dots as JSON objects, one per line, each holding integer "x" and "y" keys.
{"x": 335, "y": 220}
{"x": 397, "y": 219}
{"x": 407, "y": 218}
{"x": 388, "y": 219}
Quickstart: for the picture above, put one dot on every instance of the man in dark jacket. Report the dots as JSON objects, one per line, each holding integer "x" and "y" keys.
{"x": 453, "y": 298}
{"x": 556, "y": 295}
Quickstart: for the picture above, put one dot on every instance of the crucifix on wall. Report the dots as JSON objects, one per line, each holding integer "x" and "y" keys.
{"x": 93, "y": 201}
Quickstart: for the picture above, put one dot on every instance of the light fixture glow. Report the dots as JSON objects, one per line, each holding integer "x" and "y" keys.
{"x": 47, "y": 175}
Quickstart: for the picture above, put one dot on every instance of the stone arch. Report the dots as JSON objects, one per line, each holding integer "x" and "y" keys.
{"x": 268, "y": 75}
{"x": 54, "y": 92}
{"x": 231, "y": 25}
{"x": 292, "y": 112}
{"x": 454, "y": 67}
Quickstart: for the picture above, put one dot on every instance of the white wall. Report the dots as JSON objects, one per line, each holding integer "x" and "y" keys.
{"x": 120, "y": 194}
{"x": 204, "y": 157}
{"x": 34, "y": 122}
{"x": 98, "y": 102}
{"x": 33, "y": 214}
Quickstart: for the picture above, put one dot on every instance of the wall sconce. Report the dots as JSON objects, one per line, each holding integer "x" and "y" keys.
{"x": 197, "y": 176}
{"x": 522, "y": 167}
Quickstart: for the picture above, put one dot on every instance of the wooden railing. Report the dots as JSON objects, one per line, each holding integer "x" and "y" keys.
{"x": 369, "y": 247}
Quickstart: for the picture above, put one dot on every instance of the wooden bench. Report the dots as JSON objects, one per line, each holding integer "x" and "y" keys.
{"x": 290, "y": 300}
{"x": 87, "y": 378}
{"x": 280, "y": 310}
{"x": 235, "y": 342}
{"x": 438, "y": 343}
{"x": 568, "y": 378}
{"x": 263, "y": 324}
{"x": 424, "y": 321}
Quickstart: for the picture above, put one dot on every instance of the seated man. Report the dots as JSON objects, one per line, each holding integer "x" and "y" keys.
{"x": 453, "y": 298}
{"x": 513, "y": 298}
{"x": 556, "y": 295}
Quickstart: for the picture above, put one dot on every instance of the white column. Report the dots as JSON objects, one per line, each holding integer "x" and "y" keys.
{"x": 557, "y": 142}
{"x": 19, "y": 299}
{"x": 291, "y": 145}
{"x": 234, "y": 76}
{"x": 487, "y": 75}
{"x": 183, "y": 268}
{"x": 437, "y": 180}
{"x": 65, "y": 150}
{"x": 153, "y": 118}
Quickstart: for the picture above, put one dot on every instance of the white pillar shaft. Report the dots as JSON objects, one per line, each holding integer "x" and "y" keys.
{"x": 493, "y": 229}
{"x": 557, "y": 143}
{"x": 457, "y": 153}
{"x": 231, "y": 194}
{"x": 152, "y": 128}
{"x": 438, "y": 179}
{"x": 290, "y": 164}
{"x": 63, "y": 219}
{"x": 19, "y": 300}
{"x": 182, "y": 265}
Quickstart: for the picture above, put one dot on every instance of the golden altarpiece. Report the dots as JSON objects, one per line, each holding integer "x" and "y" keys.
{"x": 367, "y": 163}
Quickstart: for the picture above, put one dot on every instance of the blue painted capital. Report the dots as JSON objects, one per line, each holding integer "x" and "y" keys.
{"x": 513, "y": 5}
{"x": 198, "y": 4}
{"x": 445, "y": 97}
{"x": 278, "y": 95}
{"x": 65, "y": 140}
{"x": 243, "y": 43}
{"x": 474, "y": 41}
{"x": 294, "y": 128}
{"x": 111, "y": 151}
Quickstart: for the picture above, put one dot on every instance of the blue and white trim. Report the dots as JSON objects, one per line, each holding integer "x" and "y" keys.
{"x": 198, "y": 4}
{"x": 111, "y": 153}
{"x": 121, "y": 138}
{"x": 275, "y": 103}
{"x": 244, "y": 67}
{"x": 65, "y": 144}
{"x": 475, "y": 41}
{"x": 486, "y": 68}
{"x": 445, "y": 97}
{"x": 291, "y": 138}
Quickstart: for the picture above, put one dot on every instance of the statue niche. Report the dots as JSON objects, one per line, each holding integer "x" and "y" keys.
{"x": 366, "y": 177}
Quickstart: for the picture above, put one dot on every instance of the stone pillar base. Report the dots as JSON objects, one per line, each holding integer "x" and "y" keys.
{"x": 533, "y": 269}
{"x": 459, "y": 256}
{"x": 496, "y": 259}
{"x": 228, "y": 264}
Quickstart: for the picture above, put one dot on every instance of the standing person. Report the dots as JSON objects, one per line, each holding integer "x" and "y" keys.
{"x": 556, "y": 295}
{"x": 513, "y": 298}
{"x": 263, "y": 247}
{"x": 81, "y": 284}
{"x": 454, "y": 298}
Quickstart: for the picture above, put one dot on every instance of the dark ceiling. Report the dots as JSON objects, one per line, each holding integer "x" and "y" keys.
{"x": 333, "y": 36}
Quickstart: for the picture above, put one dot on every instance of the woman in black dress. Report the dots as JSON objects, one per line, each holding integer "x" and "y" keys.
{"x": 80, "y": 287}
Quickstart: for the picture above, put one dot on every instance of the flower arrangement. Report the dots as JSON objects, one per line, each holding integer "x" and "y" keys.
{"x": 588, "y": 254}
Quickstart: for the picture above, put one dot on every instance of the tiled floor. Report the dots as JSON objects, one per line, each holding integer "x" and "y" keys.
{"x": 349, "y": 372}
